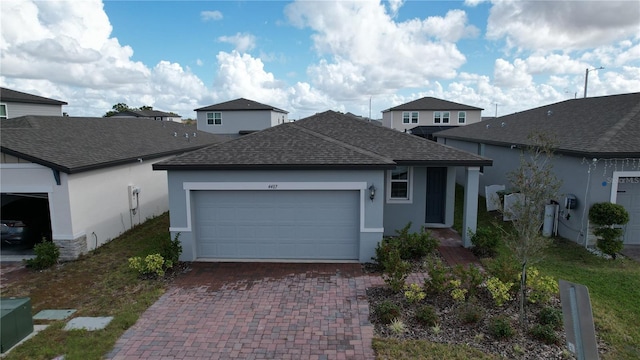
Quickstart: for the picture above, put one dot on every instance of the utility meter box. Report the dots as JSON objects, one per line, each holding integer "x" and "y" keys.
{"x": 16, "y": 322}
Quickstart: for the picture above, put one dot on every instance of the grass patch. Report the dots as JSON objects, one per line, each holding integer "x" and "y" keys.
{"x": 97, "y": 284}
{"x": 420, "y": 349}
{"x": 614, "y": 289}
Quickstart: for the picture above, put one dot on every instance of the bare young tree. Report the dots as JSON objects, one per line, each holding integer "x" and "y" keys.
{"x": 536, "y": 185}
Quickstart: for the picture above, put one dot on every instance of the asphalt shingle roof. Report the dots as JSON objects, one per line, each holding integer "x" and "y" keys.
{"x": 240, "y": 104}
{"x": 596, "y": 126}
{"x": 21, "y": 97}
{"x": 322, "y": 141}
{"x": 431, "y": 103}
{"x": 76, "y": 144}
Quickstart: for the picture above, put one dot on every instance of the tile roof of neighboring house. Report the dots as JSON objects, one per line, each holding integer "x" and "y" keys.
{"x": 76, "y": 144}
{"x": 20, "y": 97}
{"x": 241, "y": 104}
{"x": 595, "y": 126}
{"x": 328, "y": 140}
{"x": 431, "y": 103}
{"x": 147, "y": 113}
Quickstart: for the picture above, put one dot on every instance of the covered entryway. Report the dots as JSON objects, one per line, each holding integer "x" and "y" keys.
{"x": 277, "y": 225}
{"x": 629, "y": 197}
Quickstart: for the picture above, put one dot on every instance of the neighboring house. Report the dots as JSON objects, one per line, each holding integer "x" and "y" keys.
{"x": 95, "y": 173}
{"x": 327, "y": 187}
{"x": 428, "y": 115}
{"x": 152, "y": 114}
{"x": 598, "y": 154}
{"x": 239, "y": 117}
{"x": 15, "y": 104}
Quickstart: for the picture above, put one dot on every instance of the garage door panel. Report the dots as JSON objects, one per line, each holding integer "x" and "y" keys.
{"x": 277, "y": 224}
{"x": 629, "y": 197}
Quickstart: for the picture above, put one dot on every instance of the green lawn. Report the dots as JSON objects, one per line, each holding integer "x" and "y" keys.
{"x": 98, "y": 284}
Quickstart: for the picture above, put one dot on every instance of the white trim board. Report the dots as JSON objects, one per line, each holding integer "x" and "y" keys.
{"x": 615, "y": 181}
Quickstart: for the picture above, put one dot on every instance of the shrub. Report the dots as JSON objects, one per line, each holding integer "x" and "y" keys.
{"x": 545, "y": 333}
{"x": 500, "y": 327}
{"x": 543, "y": 288}
{"x": 458, "y": 293}
{"x": 47, "y": 255}
{"x": 415, "y": 245}
{"x": 171, "y": 250}
{"x": 550, "y": 316}
{"x": 470, "y": 277}
{"x": 438, "y": 276}
{"x": 395, "y": 270}
{"x": 387, "y": 311}
{"x": 605, "y": 215}
{"x": 500, "y": 292}
{"x": 413, "y": 293}
{"x": 426, "y": 315}
{"x": 505, "y": 267}
{"x": 485, "y": 242}
{"x": 153, "y": 264}
{"x": 397, "y": 326}
{"x": 470, "y": 313}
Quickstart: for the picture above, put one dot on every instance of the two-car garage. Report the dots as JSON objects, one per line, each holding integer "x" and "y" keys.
{"x": 277, "y": 225}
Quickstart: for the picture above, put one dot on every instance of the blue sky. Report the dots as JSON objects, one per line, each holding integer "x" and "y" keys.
{"x": 311, "y": 56}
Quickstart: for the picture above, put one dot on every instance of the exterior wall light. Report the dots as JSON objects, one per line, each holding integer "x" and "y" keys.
{"x": 372, "y": 192}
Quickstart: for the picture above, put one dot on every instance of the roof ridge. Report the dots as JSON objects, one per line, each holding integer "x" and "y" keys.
{"x": 343, "y": 144}
{"x": 609, "y": 134}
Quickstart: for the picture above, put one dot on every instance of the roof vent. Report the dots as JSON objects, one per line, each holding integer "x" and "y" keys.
{"x": 503, "y": 124}
{"x": 487, "y": 126}
{"x": 549, "y": 113}
{"x": 175, "y": 134}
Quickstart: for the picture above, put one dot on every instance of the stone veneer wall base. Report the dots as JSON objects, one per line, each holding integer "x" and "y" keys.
{"x": 71, "y": 249}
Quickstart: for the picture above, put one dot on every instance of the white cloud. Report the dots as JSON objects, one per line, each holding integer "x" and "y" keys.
{"x": 562, "y": 25}
{"x": 508, "y": 75}
{"x": 376, "y": 54}
{"x": 241, "y": 42}
{"x": 210, "y": 15}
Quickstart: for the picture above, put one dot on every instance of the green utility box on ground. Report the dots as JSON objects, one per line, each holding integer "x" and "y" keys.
{"x": 16, "y": 322}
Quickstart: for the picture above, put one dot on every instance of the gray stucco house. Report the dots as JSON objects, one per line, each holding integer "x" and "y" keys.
{"x": 327, "y": 187}
{"x": 16, "y": 103}
{"x": 427, "y": 115}
{"x": 598, "y": 155}
{"x": 239, "y": 117}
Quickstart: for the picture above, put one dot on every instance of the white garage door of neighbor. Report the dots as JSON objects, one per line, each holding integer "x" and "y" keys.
{"x": 280, "y": 225}
{"x": 629, "y": 197}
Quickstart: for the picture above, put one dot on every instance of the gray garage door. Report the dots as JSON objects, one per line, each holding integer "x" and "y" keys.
{"x": 279, "y": 225}
{"x": 629, "y": 197}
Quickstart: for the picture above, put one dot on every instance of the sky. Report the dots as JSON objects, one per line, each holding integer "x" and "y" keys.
{"x": 306, "y": 57}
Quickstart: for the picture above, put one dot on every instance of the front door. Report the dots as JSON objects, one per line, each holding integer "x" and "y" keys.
{"x": 436, "y": 194}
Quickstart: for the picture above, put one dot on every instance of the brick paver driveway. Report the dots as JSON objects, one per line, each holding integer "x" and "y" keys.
{"x": 257, "y": 311}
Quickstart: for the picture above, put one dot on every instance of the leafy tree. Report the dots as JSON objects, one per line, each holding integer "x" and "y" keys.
{"x": 146, "y": 107}
{"x": 536, "y": 185}
{"x": 119, "y": 107}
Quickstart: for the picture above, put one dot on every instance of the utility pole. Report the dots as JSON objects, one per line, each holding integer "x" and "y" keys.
{"x": 586, "y": 78}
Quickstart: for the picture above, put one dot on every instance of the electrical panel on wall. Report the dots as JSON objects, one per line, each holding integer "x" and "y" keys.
{"x": 134, "y": 193}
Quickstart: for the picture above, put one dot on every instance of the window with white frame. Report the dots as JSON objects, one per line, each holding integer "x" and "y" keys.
{"x": 399, "y": 184}
{"x": 3, "y": 111}
{"x": 462, "y": 117}
{"x": 214, "y": 118}
{"x": 441, "y": 117}
{"x": 410, "y": 117}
